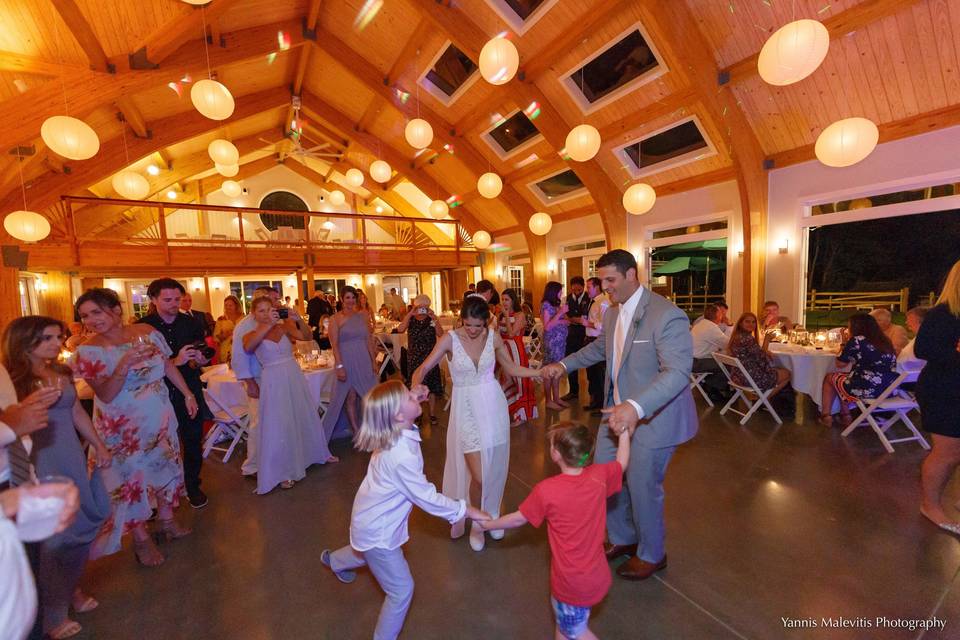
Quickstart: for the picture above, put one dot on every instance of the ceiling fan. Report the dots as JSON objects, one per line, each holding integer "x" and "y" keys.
{"x": 296, "y": 149}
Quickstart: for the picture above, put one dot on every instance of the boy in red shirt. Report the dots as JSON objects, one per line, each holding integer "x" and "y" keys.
{"x": 574, "y": 504}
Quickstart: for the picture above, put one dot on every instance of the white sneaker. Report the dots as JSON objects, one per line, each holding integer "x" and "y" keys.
{"x": 458, "y": 529}
{"x": 496, "y": 534}
{"x": 477, "y": 539}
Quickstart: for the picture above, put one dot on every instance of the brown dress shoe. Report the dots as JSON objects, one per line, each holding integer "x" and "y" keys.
{"x": 614, "y": 551}
{"x": 637, "y": 569}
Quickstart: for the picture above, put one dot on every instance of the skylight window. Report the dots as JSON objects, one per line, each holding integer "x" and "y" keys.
{"x": 512, "y": 134}
{"x": 558, "y": 187}
{"x": 451, "y": 73}
{"x": 676, "y": 144}
{"x": 620, "y": 66}
{"x": 521, "y": 14}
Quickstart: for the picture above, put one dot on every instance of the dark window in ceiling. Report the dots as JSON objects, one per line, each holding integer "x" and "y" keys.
{"x": 452, "y": 69}
{"x": 560, "y": 185}
{"x": 668, "y": 144}
{"x": 513, "y": 132}
{"x": 629, "y": 58}
{"x": 699, "y": 228}
{"x": 282, "y": 201}
{"x": 524, "y": 8}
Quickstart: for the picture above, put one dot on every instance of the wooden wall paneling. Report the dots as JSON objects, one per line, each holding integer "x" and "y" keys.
{"x": 83, "y": 33}
{"x": 9, "y": 294}
{"x": 56, "y": 300}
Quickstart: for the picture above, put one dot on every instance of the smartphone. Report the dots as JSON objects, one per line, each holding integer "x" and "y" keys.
{"x": 423, "y": 310}
{"x": 283, "y": 313}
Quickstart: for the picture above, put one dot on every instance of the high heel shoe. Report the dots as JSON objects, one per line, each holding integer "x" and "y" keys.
{"x": 458, "y": 529}
{"x": 477, "y": 539}
{"x": 169, "y": 530}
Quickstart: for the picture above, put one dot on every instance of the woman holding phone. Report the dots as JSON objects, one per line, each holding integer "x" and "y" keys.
{"x": 423, "y": 329}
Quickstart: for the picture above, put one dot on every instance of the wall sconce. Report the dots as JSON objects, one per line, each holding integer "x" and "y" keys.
{"x": 41, "y": 285}
{"x": 740, "y": 249}
{"x": 552, "y": 265}
{"x": 784, "y": 246}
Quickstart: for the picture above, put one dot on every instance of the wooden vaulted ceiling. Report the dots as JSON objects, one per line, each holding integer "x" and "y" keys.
{"x": 893, "y": 61}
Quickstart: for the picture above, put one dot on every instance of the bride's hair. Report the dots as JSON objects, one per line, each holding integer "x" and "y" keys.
{"x": 475, "y": 308}
{"x": 379, "y": 430}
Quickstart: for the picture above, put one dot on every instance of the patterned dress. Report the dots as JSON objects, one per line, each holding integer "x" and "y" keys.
{"x": 421, "y": 339}
{"x": 744, "y": 347}
{"x": 555, "y": 338}
{"x": 139, "y": 427}
{"x": 872, "y": 372}
{"x": 519, "y": 391}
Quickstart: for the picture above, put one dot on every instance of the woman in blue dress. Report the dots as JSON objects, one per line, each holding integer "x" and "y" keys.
{"x": 553, "y": 314}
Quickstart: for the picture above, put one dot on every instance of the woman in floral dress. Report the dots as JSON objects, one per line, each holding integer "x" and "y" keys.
{"x": 756, "y": 359}
{"x": 553, "y": 314}
{"x": 125, "y": 365}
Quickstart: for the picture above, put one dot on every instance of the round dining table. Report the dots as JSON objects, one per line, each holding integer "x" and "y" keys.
{"x": 224, "y": 385}
{"x": 808, "y": 366}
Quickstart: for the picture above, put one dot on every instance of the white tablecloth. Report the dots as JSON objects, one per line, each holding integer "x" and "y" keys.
{"x": 807, "y": 365}
{"x": 226, "y": 387}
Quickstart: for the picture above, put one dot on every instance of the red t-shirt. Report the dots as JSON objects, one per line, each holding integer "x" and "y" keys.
{"x": 575, "y": 508}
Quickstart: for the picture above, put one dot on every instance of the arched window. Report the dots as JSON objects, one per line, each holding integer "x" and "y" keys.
{"x": 282, "y": 201}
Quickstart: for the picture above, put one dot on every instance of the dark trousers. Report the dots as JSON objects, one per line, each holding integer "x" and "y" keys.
{"x": 33, "y": 556}
{"x": 574, "y": 343}
{"x": 595, "y": 375}
{"x": 716, "y": 382}
{"x": 190, "y": 431}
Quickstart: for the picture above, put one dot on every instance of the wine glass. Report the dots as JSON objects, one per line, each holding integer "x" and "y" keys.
{"x": 145, "y": 345}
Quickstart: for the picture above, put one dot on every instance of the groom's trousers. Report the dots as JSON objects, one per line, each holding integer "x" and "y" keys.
{"x": 635, "y": 515}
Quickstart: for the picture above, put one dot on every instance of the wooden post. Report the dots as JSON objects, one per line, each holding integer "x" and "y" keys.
{"x": 72, "y": 228}
{"x": 300, "y": 306}
{"x": 206, "y": 290}
{"x": 243, "y": 245}
{"x": 904, "y": 299}
{"x": 162, "y": 222}
{"x": 9, "y": 294}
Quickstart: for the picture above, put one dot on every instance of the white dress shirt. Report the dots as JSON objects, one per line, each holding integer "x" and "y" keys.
{"x": 595, "y": 316}
{"x": 907, "y": 360}
{"x": 18, "y": 595}
{"x": 624, "y": 318}
{"x": 393, "y": 484}
{"x": 8, "y": 396}
{"x": 708, "y": 338}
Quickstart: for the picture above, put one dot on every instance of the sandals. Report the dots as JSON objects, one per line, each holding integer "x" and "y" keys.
{"x": 147, "y": 553}
{"x": 287, "y": 484}
{"x": 66, "y": 629}
{"x": 169, "y": 530}
{"x": 826, "y": 420}
{"x": 83, "y": 603}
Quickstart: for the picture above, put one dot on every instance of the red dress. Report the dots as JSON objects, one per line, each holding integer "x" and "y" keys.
{"x": 519, "y": 391}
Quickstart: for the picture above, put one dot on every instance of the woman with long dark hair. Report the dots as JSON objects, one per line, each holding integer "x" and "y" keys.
{"x": 869, "y": 365}
{"x": 744, "y": 345}
{"x": 519, "y": 391}
{"x": 30, "y": 348}
{"x": 553, "y": 315}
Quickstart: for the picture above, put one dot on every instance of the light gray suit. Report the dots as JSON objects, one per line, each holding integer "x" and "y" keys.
{"x": 654, "y": 372}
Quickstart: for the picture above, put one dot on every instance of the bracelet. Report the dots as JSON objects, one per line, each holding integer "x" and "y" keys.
{"x": 339, "y": 366}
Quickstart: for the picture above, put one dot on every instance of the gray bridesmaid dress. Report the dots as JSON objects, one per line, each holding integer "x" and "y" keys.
{"x": 352, "y": 340}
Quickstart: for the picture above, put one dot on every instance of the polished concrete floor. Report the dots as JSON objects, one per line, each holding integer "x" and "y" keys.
{"x": 763, "y": 523}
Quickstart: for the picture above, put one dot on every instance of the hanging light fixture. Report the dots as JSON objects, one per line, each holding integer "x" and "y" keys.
{"x": 540, "y": 223}
{"x": 131, "y": 185}
{"x": 489, "y": 185}
{"x": 499, "y": 61}
{"x": 71, "y": 138}
{"x": 639, "y": 198}
{"x": 583, "y": 142}
{"x": 354, "y": 177}
{"x": 419, "y": 133}
{"x": 212, "y": 99}
{"x": 223, "y": 152}
{"x": 793, "y": 52}
{"x": 438, "y": 209}
{"x": 231, "y": 188}
{"x": 337, "y": 198}
{"x": 481, "y": 240}
{"x": 380, "y": 171}
{"x": 227, "y": 170}
{"x": 846, "y": 142}
{"x": 26, "y": 226}
{"x": 328, "y": 225}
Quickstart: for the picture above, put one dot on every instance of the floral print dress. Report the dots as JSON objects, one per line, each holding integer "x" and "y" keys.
{"x": 755, "y": 360}
{"x": 139, "y": 427}
{"x": 872, "y": 372}
{"x": 555, "y": 338}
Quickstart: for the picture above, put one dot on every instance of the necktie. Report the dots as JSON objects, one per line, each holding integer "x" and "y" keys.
{"x": 19, "y": 461}
{"x": 619, "y": 334}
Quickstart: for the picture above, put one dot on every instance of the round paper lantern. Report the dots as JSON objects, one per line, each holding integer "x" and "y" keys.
{"x": 793, "y": 52}
{"x": 354, "y": 177}
{"x": 26, "y": 226}
{"x": 846, "y": 142}
{"x": 499, "y": 61}
{"x": 380, "y": 171}
{"x": 223, "y": 152}
{"x": 583, "y": 142}
{"x": 481, "y": 240}
{"x": 540, "y": 223}
{"x": 328, "y": 225}
{"x": 337, "y": 198}
{"x": 489, "y": 185}
{"x": 131, "y": 185}
{"x": 419, "y": 133}
{"x": 212, "y": 99}
{"x": 231, "y": 188}
{"x": 639, "y": 198}
{"x": 69, "y": 137}
{"x": 227, "y": 170}
{"x": 439, "y": 209}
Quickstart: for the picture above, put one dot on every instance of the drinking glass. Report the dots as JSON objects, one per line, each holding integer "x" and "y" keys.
{"x": 41, "y": 503}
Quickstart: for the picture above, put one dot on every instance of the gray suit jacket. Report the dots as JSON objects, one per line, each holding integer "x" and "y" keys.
{"x": 654, "y": 369}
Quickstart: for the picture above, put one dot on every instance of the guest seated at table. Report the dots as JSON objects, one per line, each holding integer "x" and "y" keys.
{"x": 757, "y": 360}
{"x": 871, "y": 366}
{"x": 709, "y": 338}
{"x": 894, "y": 332}
{"x": 290, "y": 437}
{"x": 317, "y": 308}
{"x": 907, "y": 360}
{"x": 384, "y": 313}
{"x": 772, "y": 318}
{"x": 77, "y": 335}
{"x": 423, "y": 330}
{"x": 223, "y": 330}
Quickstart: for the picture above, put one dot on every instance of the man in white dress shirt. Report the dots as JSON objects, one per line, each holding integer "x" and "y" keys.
{"x": 708, "y": 339}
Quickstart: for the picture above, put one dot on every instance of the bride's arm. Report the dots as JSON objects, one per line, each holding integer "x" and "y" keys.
{"x": 511, "y": 367}
{"x": 442, "y": 347}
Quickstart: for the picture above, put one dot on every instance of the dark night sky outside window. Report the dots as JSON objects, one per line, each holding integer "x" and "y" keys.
{"x": 514, "y": 132}
{"x": 560, "y": 185}
{"x": 523, "y": 8}
{"x": 626, "y": 60}
{"x": 452, "y": 69}
{"x": 282, "y": 201}
{"x": 668, "y": 144}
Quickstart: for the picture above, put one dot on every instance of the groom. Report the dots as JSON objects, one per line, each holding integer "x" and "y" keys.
{"x": 647, "y": 346}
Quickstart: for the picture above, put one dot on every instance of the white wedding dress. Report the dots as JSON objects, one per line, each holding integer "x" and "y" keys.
{"x": 290, "y": 436}
{"x": 479, "y": 421}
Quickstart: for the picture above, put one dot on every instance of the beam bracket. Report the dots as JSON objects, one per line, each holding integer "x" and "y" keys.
{"x": 309, "y": 34}
{"x": 139, "y": 60}
{"x": 769, "y": 163}
{"x": 723, "y": 77}
{"x": 23, "y": 152}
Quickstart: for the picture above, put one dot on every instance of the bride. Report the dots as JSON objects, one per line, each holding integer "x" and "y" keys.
{"x": 478, "y": 437}
{"x": 290, "y": 436}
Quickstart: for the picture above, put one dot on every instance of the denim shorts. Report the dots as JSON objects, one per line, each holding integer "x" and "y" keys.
{"x": 571, "y": 619}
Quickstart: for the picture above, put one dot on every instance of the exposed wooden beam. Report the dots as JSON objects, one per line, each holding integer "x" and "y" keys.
{"x": 162, "y": 43}
{"x": 83, "y": 33}
{"x": 543, "y": 166}
{"x": 313, "y": 14}
{"x": 905, "y": 128}
{"x": 561, "y": 216}
{"x": 621, "y": 129}
{"x": 210, "y": 184}
{"x": 19, "y": 63}
{"x": 370, "y": 114}
{"x": 410, "y": 53}
{"x": 478, "y": 116}
{"x": 132, "y": 116}
{"x": 838, "y": 25}
{"x": 716, "y": 176}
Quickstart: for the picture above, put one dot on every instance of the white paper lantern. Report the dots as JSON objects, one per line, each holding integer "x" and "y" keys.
{"x": 380, "y": 171}
{"x": 223, "y": 152}
{"x": 212, "y": 99}
{"x": 328, "y": 225}
{"x": 419, "y": 133}
{"x": 71, "y": 138}
{"x": 26, "y": 226}
{"x": 438, "y": 209}
{"x": 793, "y": 52}
{"x": 489, "y": 185}
{"x": 354, "y": 177}
{"x": 227, "y": 170}
{"x": 231, "y": 188}
{"x": 846, "y": 142}
{"x": 639, "y": 198}
{"x": 131, "y": 185}
{"x": 481, "y": 240}
{"x": 499, "y": 61}
{"x": 583, "y": 142}
{"x": 540, "y": 223}
{"x": 337, "y": 198}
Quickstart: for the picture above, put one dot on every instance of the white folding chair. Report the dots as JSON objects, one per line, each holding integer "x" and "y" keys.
{"x": 230, "y": 423}
{"x": 892, "y": 399}
{"x": 729, "y": 363}
{"x": 387, "y": 355}
{"x": 695, "y": 379}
